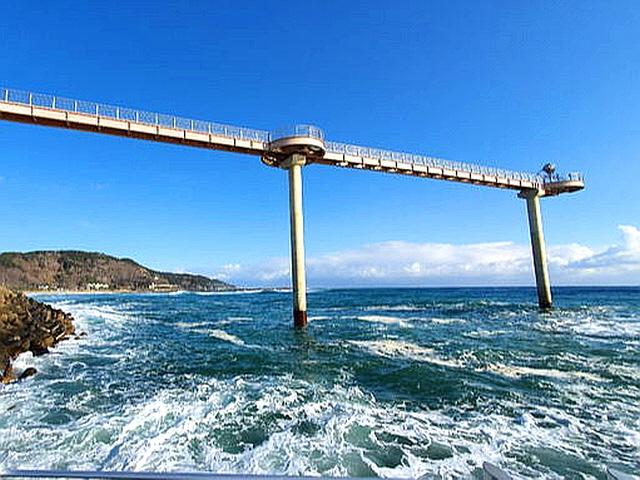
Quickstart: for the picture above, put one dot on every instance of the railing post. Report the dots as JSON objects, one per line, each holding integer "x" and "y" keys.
{"x": 75, "y": 106}
{"x": 6, "y": 94}
{"x": 31, "y": 99}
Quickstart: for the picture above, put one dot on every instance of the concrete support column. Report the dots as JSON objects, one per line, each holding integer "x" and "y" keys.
{"x": 298, "y": 276}
{"x": 538, "y": 246}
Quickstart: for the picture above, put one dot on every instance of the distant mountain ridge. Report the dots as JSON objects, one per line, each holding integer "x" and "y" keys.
{"x": 78, "y": 270}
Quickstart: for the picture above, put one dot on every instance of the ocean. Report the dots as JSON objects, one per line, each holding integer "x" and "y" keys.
{"x": 384, "y": 382}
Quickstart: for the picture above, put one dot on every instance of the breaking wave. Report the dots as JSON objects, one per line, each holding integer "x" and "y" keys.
{"x": 385, "y": 320}
{"x": 226, "y": 337}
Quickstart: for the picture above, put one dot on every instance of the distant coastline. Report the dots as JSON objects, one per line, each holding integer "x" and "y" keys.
{"x": 66, "y": 271}
{"x": 95, "y": 292}
{"x": 150, "y": 292}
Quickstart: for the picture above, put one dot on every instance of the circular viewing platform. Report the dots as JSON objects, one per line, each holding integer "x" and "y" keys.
{"x": 307, "y": 140}
{"x": 558, "y": 185}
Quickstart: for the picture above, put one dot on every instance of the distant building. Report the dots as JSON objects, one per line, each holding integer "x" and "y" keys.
{"x": 163, "y": 287}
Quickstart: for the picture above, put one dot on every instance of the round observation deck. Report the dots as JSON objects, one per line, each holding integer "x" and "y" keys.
{"x": 571, "y": 183}
{"x": 307, "y": 140}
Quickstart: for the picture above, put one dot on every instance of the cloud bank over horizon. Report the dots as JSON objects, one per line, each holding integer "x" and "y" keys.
{"x": 399, "y": 263}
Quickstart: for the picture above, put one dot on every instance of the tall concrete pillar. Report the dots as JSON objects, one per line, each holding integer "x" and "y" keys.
{"x": 298, "y": 276}
{"x": 538, "y": 246}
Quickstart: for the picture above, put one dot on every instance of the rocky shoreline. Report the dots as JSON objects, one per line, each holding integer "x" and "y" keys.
{"x": 28, "y": 326}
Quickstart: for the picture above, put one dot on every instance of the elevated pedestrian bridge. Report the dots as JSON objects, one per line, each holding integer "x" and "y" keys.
{"x": 49, "y": 110}
{"x": 292, "y": 149}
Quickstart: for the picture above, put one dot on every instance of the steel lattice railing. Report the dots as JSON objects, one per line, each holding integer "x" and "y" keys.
{"x": 429, "y": 161}
{"x": 123, "y": 113}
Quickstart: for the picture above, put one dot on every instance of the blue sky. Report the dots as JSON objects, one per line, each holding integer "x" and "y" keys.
{"x": 510, "y": 84}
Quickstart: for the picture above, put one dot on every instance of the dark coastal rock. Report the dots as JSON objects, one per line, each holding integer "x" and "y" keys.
{"x": 28, "y": 326}
{"x": 6, "y": 374}
{"x": 38, "y": 351}
{"x": 28, "y": 372}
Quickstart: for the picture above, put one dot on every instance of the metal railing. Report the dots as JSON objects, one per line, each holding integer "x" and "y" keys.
{"x": 378, "y": 154}
{"x": 569, "y": 177}
{"x": 128, "y": 475}
{"x": 124, "y": 113}
{"x": 302, "y": 130}
{"x": 489, "y": 472}
{"x": 230, "y": 131}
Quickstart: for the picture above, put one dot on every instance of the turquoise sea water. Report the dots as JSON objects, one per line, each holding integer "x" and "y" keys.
{"x": 384, "y": 382}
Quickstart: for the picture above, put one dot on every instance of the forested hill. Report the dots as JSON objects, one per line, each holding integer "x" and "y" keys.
{"x": 75, "y": 270}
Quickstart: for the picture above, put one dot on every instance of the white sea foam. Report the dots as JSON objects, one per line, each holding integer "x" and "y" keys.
{"x": 191, "y": 325}
{"x": 517, "y": 371}
{"x": 447, "y": 321}
{"x": 605, "y": 328}
{"x": 247, "y": 291}
{"x": 385, "y": 320}
{"x": 596, "y": 322}
{"x": 394, "y": 308}
{"x": 484, "y": 333}
{"x": 402, "y": 349}
{"x": 192, "y": 429}
{"x": 226, "y": 337}
{"x": 631, "y": 372}
{"x": 217, "y": 333}
{"x": 86, "y": 314}
{"x": 203, "y": 427}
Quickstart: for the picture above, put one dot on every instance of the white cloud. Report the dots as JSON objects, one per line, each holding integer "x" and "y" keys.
{"x": 614, "y": 264}
{"x": 495, "y": 263}
{"x": 226, "y": 272}
{"x": 627, "y": 254}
